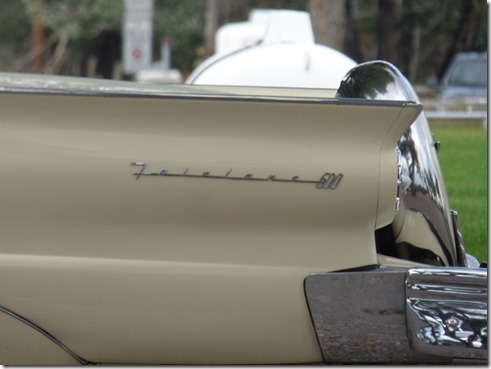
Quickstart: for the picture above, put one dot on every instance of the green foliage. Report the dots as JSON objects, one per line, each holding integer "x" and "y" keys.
{"x": 279, "y": 4}
{"x": 481, "y": 41}
{"x": 86, "y": 23}
{"x": 12, "y": 17}
{"x": 431, "y": 25}
{"x": 430, "y": 15}
{"x": 78, "y": 19}
{"x": 183, "y": 22}
{"x": 14, "y": 32}
{"x": 463, "y": 158}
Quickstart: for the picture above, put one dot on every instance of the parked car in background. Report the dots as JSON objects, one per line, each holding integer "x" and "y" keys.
{"x": 466, "y": 78}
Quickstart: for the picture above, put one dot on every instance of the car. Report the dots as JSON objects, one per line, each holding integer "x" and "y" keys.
{"x": 466, "y": 78}
{"x": 194, "y": 224}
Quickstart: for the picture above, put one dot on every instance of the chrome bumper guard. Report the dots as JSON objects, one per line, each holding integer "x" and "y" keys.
{"x": 399, "y": 316}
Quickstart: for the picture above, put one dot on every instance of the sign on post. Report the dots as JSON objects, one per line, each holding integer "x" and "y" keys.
{"x": 137, "y": 35}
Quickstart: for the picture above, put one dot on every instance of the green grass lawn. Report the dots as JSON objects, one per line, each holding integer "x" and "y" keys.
{"x": 463, "y": 159}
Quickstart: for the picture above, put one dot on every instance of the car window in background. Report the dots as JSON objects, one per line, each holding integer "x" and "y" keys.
{"x": 469, "y": 73}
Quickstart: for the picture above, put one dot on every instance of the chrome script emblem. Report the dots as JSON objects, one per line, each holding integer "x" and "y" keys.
{"x": 327, "y": 181}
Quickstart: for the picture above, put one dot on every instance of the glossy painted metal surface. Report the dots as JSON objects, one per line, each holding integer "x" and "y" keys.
{"x": 126, "y": 270}
{"x": 400, "y": 315}
{"x": 160, "y": 264}
{"x": 424, "y": 202}
{"x": 447, "y": 311}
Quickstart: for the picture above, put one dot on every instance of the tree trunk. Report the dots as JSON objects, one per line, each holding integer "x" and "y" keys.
{"x": 329, "y": 20}
{"x": 211, "y": 25}
{"x": 37, "y": 37}
{"x": 389, "y": 30}
{"x": 352, "y": 41}
{"x": 414, "y": 58}
{"x": 56, "y": 62}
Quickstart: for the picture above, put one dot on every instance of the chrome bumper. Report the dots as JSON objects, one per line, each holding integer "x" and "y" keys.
{"x": 397, "y": 316}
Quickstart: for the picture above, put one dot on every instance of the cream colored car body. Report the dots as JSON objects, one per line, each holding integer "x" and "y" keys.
{"x": 125, "y": 268}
